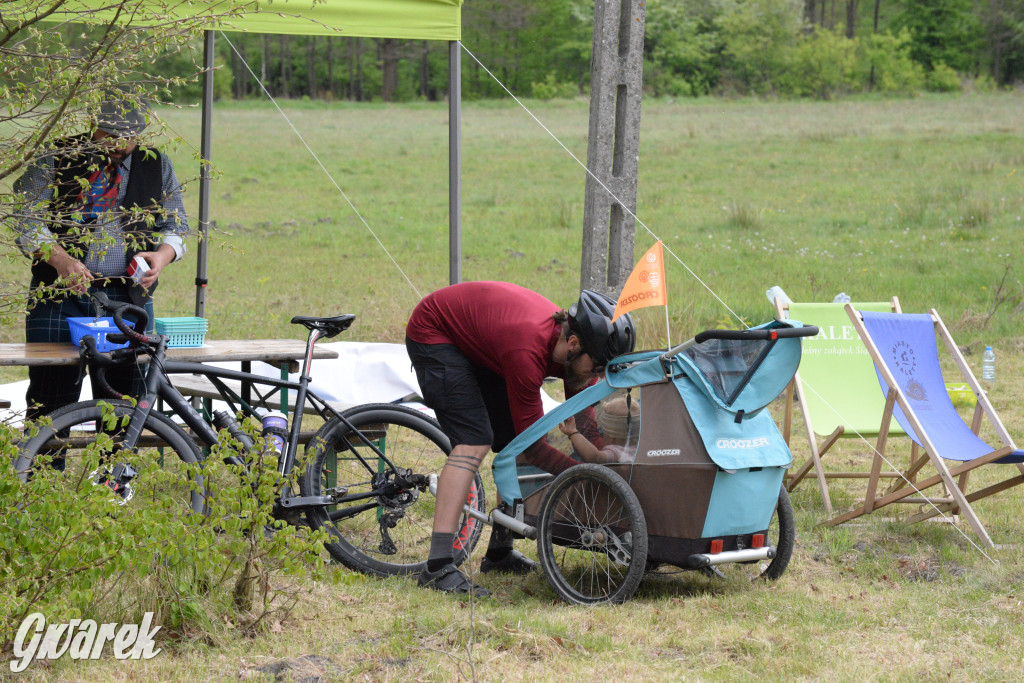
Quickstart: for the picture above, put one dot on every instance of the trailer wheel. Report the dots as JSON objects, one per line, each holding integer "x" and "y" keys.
{"x": 592, "y": 536}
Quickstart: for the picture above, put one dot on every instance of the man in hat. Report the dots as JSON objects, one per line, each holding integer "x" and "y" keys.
{"x": 95, "y": 202}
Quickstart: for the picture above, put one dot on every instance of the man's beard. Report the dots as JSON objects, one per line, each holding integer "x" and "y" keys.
{"x": 575, "y": 381}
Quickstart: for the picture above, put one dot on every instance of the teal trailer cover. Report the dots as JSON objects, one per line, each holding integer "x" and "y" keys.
{"x": 754, "y": 441}
{"x": 759, "y": 369}
{"x": 742, "y": 502}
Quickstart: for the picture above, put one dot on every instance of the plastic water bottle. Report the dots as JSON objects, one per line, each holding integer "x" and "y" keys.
{"x": 777, "y": 292}
{"x": 275, "y": 428}
{"x": 988, "y": 365}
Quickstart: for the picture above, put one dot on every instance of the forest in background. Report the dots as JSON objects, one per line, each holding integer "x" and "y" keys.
{"x": 541, "y": 48}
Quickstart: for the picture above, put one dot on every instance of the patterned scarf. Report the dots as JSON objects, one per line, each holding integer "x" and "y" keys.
{"x": 101, "y": 195}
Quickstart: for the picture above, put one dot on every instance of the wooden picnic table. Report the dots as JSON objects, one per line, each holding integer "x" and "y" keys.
{"x": 286, "y": 354}
{"x": 279, "y": 352}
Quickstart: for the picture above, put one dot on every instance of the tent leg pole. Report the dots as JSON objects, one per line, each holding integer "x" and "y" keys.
{"x": 454, "y": 162}
{"x": 204, "y": 176}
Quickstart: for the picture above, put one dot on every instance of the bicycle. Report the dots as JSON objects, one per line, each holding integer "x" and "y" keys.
{"x": 363, "y": 480}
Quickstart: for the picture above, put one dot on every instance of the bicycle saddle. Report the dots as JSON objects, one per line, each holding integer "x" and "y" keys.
{"x": 329, "y": 326}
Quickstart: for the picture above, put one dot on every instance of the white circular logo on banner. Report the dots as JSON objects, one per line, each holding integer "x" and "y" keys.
{"x": 651, "y": 258}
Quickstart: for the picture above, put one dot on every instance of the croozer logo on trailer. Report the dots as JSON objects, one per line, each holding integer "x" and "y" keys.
{"x": 733, "y": 444}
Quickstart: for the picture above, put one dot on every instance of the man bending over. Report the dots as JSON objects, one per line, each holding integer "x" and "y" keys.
{"x": 481, "y": 351}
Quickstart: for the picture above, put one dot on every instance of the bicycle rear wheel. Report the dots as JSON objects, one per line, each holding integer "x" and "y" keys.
{"x": 383, "y": 529}
{"x": 87, "y": 440}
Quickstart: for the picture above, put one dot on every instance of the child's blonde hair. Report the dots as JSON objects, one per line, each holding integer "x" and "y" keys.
{"x": 616, "y": 420}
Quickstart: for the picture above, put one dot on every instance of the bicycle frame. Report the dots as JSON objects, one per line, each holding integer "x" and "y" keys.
{"x": 158, "y": 386}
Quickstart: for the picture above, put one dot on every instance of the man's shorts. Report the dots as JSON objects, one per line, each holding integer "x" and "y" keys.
{"x": 470, "y": 402}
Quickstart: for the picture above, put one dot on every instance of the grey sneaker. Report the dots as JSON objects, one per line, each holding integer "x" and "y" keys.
{"x": 513, "y": 563}
{"x": 449, "y": 579}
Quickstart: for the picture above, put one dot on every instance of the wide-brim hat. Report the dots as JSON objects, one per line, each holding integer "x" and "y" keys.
{"x": 121, "y": 116}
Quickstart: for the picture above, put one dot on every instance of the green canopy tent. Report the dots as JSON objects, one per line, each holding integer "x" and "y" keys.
{"x": 402, "y": 19}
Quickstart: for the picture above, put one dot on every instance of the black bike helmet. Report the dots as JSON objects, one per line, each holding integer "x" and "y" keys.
{"x": 590, "y": 319}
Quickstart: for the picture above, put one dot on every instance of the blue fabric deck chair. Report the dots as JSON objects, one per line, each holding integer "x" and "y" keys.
{"x": 906, "y": 361}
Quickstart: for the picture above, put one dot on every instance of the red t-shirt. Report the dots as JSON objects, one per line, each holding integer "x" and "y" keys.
{"x": 507, "y": 329}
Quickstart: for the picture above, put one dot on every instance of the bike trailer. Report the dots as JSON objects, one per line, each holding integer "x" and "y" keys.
{"x": 703, "y": 457}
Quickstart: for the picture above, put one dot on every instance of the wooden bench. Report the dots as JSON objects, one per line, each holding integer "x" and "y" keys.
{"x": 201, "y": 387}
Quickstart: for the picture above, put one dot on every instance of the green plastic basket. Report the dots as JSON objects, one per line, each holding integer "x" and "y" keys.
{"x": 961, "y": 395}
{"x": 182, "y": 332}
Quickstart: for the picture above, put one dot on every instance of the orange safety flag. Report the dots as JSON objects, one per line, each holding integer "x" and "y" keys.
{"x": 645, "y": 285}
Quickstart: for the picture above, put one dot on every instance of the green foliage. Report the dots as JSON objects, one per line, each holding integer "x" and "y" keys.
{"x": 663, "y": 82}
{"x": 182, "y": 68}
{"x": 759, "y": 38}
{"x": 549, "y": 89}
{"x": 983, "y": 84}
{"x": 824, "y": 65}
{"x": 942, "y": 79}
{"x": 681, "y": 49}
{"x": 69, "y": 551}
{"x": 691, "y": 48}
{"x": 894, "y": 69}
{"x": 947, "y": 32}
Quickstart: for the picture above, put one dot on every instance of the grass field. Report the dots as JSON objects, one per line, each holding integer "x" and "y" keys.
{"x": 921, "y": 198}
{"x": 918, "y": 198}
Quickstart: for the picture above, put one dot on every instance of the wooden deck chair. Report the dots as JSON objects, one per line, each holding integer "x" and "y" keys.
{"x": 835, "y": 388}
{"x": 907, "y": 362}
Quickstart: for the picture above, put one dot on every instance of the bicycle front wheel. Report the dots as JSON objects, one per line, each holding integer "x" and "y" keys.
{"x": 86, "y": 441}
{"x": 382, "y": 528}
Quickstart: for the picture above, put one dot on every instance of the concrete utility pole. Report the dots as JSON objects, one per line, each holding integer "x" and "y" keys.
{"x": 616, "y": 80}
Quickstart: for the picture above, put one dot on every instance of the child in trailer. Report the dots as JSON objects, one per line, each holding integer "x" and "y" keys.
{"x": 619, "y": 421}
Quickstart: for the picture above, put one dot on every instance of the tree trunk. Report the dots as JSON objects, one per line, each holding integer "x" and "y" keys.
{"x": 236, "y": 74}
{"x": 358, "y": 89}
{"x": 425, "y": 71}
{"x": 330, "y": 67}
{"x": 311, "y": 67}
{"x": 851, "y": 18}
{"x": 809, "y": 16}
{"x": 265, "y": 59}
{"x": 285, "y": 61}
{"x": 871, "y": 76}
{"x": 388, "y": 55}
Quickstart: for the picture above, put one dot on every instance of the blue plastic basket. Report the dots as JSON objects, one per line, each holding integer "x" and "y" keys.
{"x": 182, "y": 332}
{"x": 96, "y": 327}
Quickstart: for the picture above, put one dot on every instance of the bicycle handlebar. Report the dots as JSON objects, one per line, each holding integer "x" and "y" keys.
{"x": 99, "y": 362}
{"x": 117, "y": 311}
{"x": 772, "y": 334}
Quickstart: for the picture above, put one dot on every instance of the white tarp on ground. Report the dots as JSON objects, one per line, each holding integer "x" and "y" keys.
{"x": 362, "y": 373}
